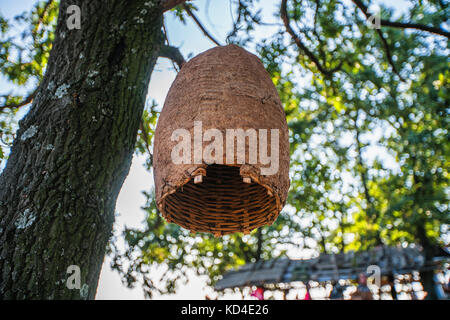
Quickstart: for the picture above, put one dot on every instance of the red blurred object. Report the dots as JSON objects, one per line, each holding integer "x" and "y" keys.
{"x": 307, "y": 296}
{"x": 258, "y": 293}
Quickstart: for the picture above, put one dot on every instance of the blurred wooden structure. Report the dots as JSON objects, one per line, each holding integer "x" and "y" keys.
{"x": 327, "y": 267}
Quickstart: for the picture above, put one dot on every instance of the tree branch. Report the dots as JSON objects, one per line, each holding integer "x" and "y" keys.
{"x": 147, "y": 146}
{"x": 41, "y": 17}
{"x": 26, "y": 101}
{"x": 300, "y": 44}
{"x": 402, "y": 25}
{"x": 173, "y": 54}
{"x": 169, "y": 4}
{"x": 199, "y": 24}
{"x": 387, "y": 50}
{"x": 166, "y": 37}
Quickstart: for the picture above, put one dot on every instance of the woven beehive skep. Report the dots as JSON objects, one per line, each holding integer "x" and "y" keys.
{"x": 222, "y": 88}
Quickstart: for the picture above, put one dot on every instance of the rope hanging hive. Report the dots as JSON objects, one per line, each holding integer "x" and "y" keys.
{"x": 223, "y": 88}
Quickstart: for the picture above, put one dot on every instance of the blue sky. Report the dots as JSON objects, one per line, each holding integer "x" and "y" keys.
{"x": 216, "y": 17}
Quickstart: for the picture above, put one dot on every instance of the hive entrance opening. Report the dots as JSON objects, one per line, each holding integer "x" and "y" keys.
{"x": 221, "y": 203}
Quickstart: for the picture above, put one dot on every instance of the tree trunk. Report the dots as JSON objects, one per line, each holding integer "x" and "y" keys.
{"x": 428, "y": 284}
{"x": 427, "y": 276}
{"x": 392, "y": 285}
{"x": 74, "y": 148}
{"x": 371, "y": 213}
{"x": 259, "y": 245}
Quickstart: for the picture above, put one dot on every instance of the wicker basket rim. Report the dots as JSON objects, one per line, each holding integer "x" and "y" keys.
{"x": 202, "y": 170}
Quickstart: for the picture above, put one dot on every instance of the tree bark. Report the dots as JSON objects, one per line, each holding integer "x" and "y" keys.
{"x": 74, "y": 148}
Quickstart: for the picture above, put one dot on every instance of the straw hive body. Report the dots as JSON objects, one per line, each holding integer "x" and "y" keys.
{"x": 223, "y": 88}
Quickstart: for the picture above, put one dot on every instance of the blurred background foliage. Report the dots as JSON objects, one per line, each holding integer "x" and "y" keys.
{"x": 25, "y": 45}
{"x": 368, "y": 112}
